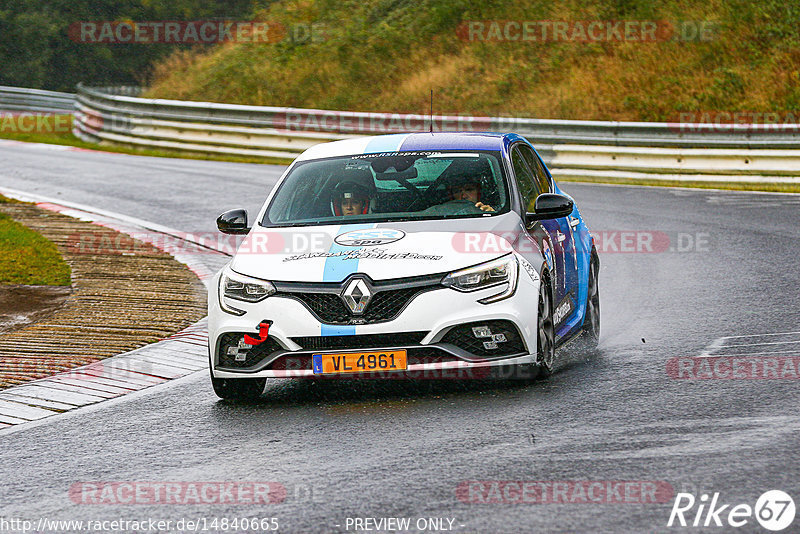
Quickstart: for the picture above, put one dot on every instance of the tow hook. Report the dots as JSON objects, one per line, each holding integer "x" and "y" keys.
{"x": 263, "y": 333}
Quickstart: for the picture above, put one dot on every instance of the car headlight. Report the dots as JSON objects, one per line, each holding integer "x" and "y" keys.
{"x": 492, "y": 273}
{"x": 245, "y": 288}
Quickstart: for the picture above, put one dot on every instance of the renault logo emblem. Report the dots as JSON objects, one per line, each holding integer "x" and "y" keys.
{"x": 357, "y": 295}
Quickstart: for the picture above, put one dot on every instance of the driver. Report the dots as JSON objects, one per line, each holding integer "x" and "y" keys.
{"x": 467, "y": 187}
{"x": 350, "y": 198}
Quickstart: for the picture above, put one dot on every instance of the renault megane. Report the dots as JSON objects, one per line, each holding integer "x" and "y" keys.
{"x": 398, "y": 254}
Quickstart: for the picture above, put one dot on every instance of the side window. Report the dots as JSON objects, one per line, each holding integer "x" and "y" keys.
{"x": 525, "y": 179}
{"x": 542, "y": 183}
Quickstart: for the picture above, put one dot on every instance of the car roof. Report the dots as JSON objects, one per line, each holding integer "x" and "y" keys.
{"x": 409, "y": 142}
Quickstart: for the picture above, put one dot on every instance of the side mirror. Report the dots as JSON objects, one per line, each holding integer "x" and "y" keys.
{"x": 233, "y": 222}
{"x": 549, "y": 206}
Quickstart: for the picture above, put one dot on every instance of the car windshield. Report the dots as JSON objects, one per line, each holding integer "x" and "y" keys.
{"x": 390, "y": 187}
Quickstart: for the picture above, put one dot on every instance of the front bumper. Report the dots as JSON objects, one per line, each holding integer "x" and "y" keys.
{"x": 433, "y": 327}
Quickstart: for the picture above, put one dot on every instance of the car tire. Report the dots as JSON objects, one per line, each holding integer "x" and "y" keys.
{"x": 546, "y": 341}
{"x": 238, "y": 388}
{"x": 590, "y": 331}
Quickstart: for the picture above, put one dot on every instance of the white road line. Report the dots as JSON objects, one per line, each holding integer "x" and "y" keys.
{"x": 758, "y": 344}
{"x": 756, "y": 353}
{"x": 761, "y": 335}
{"x": 719, "y": 345}
{"x": 714, "y": 346}
{"x": 676, "y": 190}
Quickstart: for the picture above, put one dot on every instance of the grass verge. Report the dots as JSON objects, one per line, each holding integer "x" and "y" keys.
{"x": 28, "y": 258}
{"x": 68, "y": 139}
{"x": 731, "y": 186}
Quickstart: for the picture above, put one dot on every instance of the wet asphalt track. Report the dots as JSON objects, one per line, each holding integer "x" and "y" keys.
{"x": 379, "y": 449}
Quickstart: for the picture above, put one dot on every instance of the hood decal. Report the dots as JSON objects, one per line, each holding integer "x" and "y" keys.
{"x": 369, "y": 238}
{"x": 337, "y": 268}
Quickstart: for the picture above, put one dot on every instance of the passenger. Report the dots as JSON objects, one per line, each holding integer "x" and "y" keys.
{"x": 467, "y": 187}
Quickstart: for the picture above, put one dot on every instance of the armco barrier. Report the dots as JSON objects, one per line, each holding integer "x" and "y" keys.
{"x": 588, "y": 149}
{"x": 575, "y": 149}
{"x": 18, "y": 99}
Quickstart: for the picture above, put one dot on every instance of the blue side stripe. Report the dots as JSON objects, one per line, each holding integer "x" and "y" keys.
{"x": 337, "y": 330}
{"x": 385, "y": 143}
{"x": 337, "y": 269}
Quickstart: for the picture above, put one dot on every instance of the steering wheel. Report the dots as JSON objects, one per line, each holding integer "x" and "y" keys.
{"x": 463, "y": 207}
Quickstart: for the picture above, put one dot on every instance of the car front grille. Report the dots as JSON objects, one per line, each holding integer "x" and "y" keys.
{"x": 361, "y": 341}
{"x": 389, "y": 298}
{"x": 465, "y": 338}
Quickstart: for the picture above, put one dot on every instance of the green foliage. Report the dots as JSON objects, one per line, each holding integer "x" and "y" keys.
{"x": 28, "y": 258}
{"x": 36, "y": 50}
{"x": 386, "y": 55}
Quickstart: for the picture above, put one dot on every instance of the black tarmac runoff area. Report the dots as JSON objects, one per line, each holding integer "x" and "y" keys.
{"x": 687, "y": 410}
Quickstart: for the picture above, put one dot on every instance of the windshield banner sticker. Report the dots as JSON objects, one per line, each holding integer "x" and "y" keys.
{"x": 365, "y": 254}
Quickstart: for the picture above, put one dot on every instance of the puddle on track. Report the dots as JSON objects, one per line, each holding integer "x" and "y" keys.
{"x": 23, "y": 305}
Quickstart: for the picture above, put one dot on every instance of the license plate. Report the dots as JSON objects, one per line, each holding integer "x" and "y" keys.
{"x": 360, "y": 362}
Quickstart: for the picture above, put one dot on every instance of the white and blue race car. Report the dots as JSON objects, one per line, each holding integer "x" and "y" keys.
{"x": 401, "y": 255}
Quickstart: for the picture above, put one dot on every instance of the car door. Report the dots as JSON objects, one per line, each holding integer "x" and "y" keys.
{"x": 563, "y": 242}
{"x": 541, "y": 232}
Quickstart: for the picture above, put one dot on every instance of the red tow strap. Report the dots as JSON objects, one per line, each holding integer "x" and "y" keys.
{"x": 263, "y": 332}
